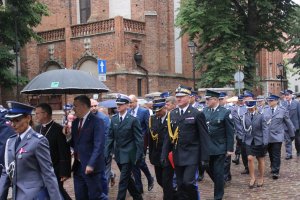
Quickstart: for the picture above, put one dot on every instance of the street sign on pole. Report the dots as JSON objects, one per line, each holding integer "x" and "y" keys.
{"x": 102, "y": 70}
{"x": 239, "y": 85}
{"x": 239, "y": 76}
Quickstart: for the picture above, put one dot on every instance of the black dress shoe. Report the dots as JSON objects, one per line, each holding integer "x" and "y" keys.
{"x": 289, "y": 157}
{"x": 246, "y": 171}
{"x": 200, "y": 177}
{"x": 236, "y": 160}
{"x": 150, "y": 184}
{"x": 275, "y": 176}
{"x": 298, "y": 154}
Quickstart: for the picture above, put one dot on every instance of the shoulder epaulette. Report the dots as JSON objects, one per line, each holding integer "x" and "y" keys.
{"x": 37, "y": 135}
{"x": 14, "y": 135}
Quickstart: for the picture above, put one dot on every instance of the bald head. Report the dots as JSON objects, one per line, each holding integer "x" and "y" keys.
{"x": 94, "y": 106}
{"x": 133, "y": 101}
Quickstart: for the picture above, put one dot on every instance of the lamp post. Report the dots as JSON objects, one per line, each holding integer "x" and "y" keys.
{"x": 192, "y": 49}
{"x": 280, "y": 67}
{"x": 17, "y": 50}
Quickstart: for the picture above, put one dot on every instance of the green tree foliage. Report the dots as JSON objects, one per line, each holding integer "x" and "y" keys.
{"x": 25, "y": 15}
{"x": 294, "y": 41}
{"x": 230, "y": 33}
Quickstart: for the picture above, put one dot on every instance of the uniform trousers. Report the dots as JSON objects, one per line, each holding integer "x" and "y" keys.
{"x": 274, "y": 150}
{"x": 227, "y": 164}
{"x": 297, "y": 141}
{"x": 186, "y": 179}
{"x": 4, "y": 187}
{"x": 127, "y": 182}
{"x": 164, "y": 177}
{"x": 88, "y": 186}
{"x": 216, "y": 173}
{"x": 288, "y": 145}
{"x": 62, "y": 190}
{"x": 138, "y": 176}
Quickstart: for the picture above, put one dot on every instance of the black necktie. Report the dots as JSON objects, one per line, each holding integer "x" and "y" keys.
{"x": 17, "y": 142}
{"x": 272, "y": 111}
{"x": 252, "y": 116}
{"x": 181, "y": 112}
{"x": 121, "y": 119}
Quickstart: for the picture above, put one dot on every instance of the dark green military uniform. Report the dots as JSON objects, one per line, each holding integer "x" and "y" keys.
{"x": 221, "y": 130}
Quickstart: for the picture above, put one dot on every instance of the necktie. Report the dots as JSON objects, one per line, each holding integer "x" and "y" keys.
{"x": 181, "y": 112}
{"x": 80, "y": 125}
{"x": 252, "y": 116}
{"x": 132, "y": 112}
{"x": 17, "y": 142}
{"x": 272, "y": 111}
{"x": 121, "y": 119}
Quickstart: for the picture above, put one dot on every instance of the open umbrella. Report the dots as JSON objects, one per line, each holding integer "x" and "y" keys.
{"x": 111, "y": 103}
{"x": 64, "y": 81}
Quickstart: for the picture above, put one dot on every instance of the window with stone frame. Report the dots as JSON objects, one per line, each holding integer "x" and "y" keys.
{"x": 85, "y": 10}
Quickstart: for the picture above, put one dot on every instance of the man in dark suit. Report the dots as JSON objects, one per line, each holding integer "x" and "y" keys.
{"x": 142, "y": 115}
{"x": 126, "y": 139}
{"x": 158, "y": 134}
{"x": 59, "y": 148}
{"x": 221, "y": 130}
{"x": 27, "y": 158}
{"x": 5, "y": 132}
{"x": 188, "y": 141}
{"x": 107, "y": 175}
{"x": 88, "y": 143}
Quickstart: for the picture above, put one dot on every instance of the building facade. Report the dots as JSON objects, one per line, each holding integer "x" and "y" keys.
{"x": 137, "y": 38}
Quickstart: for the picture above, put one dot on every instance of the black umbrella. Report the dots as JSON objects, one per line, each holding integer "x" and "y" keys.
{"x": 64, "y": 81}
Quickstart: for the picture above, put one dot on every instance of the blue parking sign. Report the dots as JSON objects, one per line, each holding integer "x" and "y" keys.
{"x": 101, "y": 66}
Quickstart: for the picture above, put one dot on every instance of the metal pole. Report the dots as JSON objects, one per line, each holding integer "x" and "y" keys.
{"x": 281, "y": 82}
{"x": 194, "y": 77}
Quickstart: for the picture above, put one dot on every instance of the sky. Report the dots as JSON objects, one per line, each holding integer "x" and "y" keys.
{"x": 297, "y": 1}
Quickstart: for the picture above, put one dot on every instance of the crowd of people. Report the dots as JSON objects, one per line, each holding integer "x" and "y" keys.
{"x": 183, "y": 137}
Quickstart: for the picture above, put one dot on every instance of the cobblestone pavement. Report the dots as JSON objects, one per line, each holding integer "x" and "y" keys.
{"x": 287, "y": 187}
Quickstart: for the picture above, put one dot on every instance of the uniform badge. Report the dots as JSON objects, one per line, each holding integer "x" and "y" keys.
{"x": 22, "y": 150}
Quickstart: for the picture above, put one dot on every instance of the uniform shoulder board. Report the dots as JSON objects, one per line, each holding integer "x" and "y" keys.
{"x": 114, "y": 115}
{"x": 37, "y": 135}
{"x": 14, "y": 135}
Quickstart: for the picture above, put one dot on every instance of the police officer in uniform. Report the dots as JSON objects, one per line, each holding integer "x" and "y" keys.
{"x": 221, "y": 130}
{"x": 227, "y": 164}
{"x": 158, "y": 134}
{"x": 278, "y": 118}
{"x": 27, "y": 158}
{"x": 293, "y": 108}
{"x": 189, "y": 143}
{"x": 125, "y": 137}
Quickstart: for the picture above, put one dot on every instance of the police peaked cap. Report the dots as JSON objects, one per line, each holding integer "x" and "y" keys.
{"x": 17, "y": 109}
{"x": 273, "y": 97}
{"x": 210, "y": 93}
{"x": 122, "y": 99}
{"x": 165, "y": 94}
{"x": 158, "y": 104}
{"x": 250, "y": 104}
{"x": 183, "y": 91}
